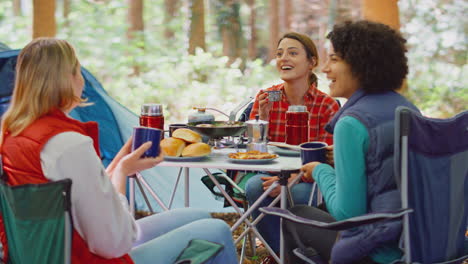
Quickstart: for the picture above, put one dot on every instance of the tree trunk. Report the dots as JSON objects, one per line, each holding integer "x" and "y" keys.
{"x": 44, "y": 24}
{"x": 197, "y": 26}
{"x": 17, "y": 7}
{"x": 287, "y": 14}
{"x": 170, "y": 8}
{"x": 228, "y": 20}
{"x": 66, "y": 8}
{"x": 252, "y": 46}
{"x": 136, "y": 27}
{"x": 135, "y": 18}
{"x": 273, "y": 14}
{"x": 383, "y": 11}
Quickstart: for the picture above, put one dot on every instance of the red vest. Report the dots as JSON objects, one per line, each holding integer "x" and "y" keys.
{"x": 21, "y": 162}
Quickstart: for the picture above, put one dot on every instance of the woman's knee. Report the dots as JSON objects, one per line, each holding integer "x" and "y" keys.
{"x": 215, "y": 230}
{"x": 301, "y": 193}
{"x": 254, "y": 187}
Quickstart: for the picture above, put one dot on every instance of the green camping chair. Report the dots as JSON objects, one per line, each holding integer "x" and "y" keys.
{"x": 37, "y": 222}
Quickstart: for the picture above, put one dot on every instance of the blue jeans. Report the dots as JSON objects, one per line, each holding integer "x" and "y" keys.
{"x": 163, "y": 236}
{"x": 269, "y": 226}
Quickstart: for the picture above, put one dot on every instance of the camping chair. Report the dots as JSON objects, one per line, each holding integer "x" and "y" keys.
{"x": 37, "y": 222}
{"x": 431, "y": 168}
{"x": 432, "y": 156}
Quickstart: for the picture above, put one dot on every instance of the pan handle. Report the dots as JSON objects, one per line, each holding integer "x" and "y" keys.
{"x": 233, "y": 113}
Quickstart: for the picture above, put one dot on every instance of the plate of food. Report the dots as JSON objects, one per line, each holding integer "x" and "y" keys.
{"x": 184, "y": 145}
{"x": 252, "y": 157}
{"x": 184, "y": 159}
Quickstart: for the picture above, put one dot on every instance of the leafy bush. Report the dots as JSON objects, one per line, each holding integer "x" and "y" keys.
{"x": 437, "y": 34}
{"x": 168, "y": 75}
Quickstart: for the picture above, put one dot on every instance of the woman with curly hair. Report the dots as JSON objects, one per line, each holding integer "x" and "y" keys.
{"x": 366, "y": 64}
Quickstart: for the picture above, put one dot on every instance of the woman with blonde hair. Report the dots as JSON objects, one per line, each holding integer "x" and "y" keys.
{"x": 41, "y": 143}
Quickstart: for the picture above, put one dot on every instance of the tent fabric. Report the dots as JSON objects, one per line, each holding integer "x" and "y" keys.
{"x": 116, "y": 124}
{"x": 437, "y": 184}
{"x": 34, "y": 218}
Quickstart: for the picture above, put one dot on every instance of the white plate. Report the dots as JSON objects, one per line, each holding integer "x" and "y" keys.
{"x": 285, "y": 151}
{"x": 187, "y": 159}
{"x": 251, "y": 161}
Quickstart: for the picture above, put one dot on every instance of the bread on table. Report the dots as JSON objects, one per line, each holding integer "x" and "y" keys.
{"x": 187, "y": 135}
{"x": 196, "y": 150}
{"x": 172, "y": 146}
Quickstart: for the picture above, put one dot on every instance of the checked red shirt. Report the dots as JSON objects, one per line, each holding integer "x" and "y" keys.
{"x": 321, "y": 107}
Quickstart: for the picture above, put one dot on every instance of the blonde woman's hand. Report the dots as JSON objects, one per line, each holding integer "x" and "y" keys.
{"x": 308, "y": 169}
{"x": 264, "y": 106}
{"x": 133, "y": 162}
{"x": 126, "y": 149}
{"x": 329, "y": 155}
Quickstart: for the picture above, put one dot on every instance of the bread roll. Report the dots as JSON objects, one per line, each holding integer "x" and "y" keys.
{"x": 196, "y": 150}
{"x": 187, "y": 135}
{"x": 172, "y": 146}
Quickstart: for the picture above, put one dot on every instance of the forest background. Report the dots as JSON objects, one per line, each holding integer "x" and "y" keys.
{"x": 216, "y": 53}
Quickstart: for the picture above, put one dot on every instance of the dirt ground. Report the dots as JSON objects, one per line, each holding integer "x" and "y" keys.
{"x": 260, "y": 252}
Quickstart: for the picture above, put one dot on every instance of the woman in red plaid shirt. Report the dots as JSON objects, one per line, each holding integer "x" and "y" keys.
{"x": 296, "y": 58}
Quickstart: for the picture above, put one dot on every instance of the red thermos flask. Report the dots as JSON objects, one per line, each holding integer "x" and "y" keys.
{"x": 297, "y": 125}
{"x": 152, "y": 116}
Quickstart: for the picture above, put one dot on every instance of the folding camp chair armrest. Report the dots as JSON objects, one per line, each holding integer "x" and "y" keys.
{"x": 338, "y": 225}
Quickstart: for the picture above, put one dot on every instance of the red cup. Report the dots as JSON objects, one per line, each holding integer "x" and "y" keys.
{"x": 297, "y": 118}
{"x": 152, "y": 116}
{"x": 152, "y": 121}
{"x": 296, "y": 135}
{"x": 297, "y": 125}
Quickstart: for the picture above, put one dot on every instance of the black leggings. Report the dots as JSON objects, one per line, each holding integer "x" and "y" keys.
{"x": 321, "y": 240}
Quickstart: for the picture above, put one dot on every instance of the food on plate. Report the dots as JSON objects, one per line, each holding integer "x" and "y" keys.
{"x": 187, "y": 135}
{"x": 196, "y": 150}
{"x": 172, "y": 146}
{"x": 253, "y": 154}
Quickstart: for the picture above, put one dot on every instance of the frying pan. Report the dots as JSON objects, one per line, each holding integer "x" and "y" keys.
{"x": 219, "y": 129}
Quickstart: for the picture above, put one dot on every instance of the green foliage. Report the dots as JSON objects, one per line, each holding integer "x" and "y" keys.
{"x": 437, "y": 33}
{"x": 168, "y": 75}
{"x": 181, "y": 83}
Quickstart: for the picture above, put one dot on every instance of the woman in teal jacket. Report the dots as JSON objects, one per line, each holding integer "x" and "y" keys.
{"x": 366, "y": 65}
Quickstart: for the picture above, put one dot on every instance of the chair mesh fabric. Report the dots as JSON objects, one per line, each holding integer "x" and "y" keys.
{"x": 437, "y": 186}
{"x": 34, "y": 219}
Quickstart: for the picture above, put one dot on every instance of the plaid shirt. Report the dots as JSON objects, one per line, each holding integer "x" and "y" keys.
{"x": 321, "y": 107}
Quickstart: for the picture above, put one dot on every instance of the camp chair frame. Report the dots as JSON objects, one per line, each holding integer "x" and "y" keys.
{"x": 408, "y": 125}
{"x": 26, "y": 197}
{"x": 403, "y": 124}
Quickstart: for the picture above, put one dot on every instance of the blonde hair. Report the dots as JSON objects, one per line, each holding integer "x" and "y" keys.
{"x": 43, "y": 83}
